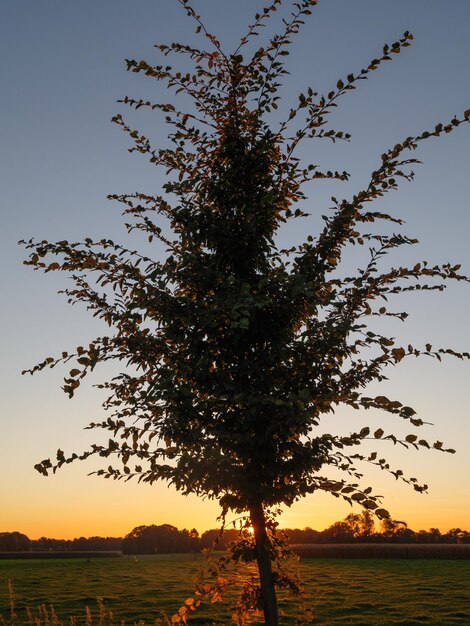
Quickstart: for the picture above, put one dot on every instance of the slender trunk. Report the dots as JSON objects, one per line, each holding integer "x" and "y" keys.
{"x": 263, "y": 558}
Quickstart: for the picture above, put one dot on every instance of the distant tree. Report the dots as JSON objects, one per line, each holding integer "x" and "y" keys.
{"x": 79, "y": 543}
{"x": 193, "y": 533}
{"x": 46, "y": 543}
{"x": 354, "y": 527}
{"x": 404, "y": 535}
{"x": 310, "y": 535}
{"x": 366, "y": 524}
{"x": 456, "y": 535}
{"x": 161, "y": 539}
{"x": 433, "y": 535}
{"x": 362, "y": 525}
{"x": 389, "y": 527}
{"x": 213, "y": 539}
{"x": 307, "y": 535}
{"x": 338, "y": 532}
{"x": 14, "y": 542}
{"x": 233, "y": 349}
{"x": 101, "y": 544}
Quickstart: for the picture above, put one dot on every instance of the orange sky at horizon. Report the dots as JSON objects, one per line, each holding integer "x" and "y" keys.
{"x": 126, "y": 508}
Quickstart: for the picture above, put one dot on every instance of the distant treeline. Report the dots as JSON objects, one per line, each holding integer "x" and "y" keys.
{"x": 164, "y": 539}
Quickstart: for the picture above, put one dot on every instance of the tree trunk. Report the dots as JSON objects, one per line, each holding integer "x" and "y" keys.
{"x": 263, "y": 558}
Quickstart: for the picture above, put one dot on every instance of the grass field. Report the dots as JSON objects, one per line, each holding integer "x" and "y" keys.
{"x": 362, "y": 592}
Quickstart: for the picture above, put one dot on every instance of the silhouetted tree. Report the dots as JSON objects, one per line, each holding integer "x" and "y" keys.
{"x": 236, "y": 348}
{"x": 213, "y": 538}
{"x": 47, "y": 543}
{"x": 339, "y": 532}
{"x": 14, "y": 542}
{"x": 433, "y": 535}
{"x": 307, "y": 535}
{"x": 362, "y": 525}
{"x": 160, "y": 539}
{"x": 100, "y": 544}
{"x": 456, "y": 535}
{"x": 403, "y": 534}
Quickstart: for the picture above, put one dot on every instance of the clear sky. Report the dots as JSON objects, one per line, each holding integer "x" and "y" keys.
{"x": 62, "y": 71}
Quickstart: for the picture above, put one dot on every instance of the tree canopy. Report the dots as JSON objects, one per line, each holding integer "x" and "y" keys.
{"x": 160, "y": 539}
{"x": 231, "y": 348}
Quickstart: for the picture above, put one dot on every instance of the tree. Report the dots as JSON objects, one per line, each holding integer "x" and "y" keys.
{"x": 232, "y": 349}
{"x": 339, "y": 532}
{"x": 362, "y": 525}
{"x": 14, "y": 542}
{"x": 159, "y": 539}
{"x": 212, "y": 539}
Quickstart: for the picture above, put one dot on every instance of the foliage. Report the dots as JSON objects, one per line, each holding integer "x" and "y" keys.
{"x": 160, "y": 540}
{"x": 14, "y": 542}
{"x": 100, "y": 544}
{"x": 166, "y": 539}
{"x": 243, "y": 551}
{"x": 234, "y": 349}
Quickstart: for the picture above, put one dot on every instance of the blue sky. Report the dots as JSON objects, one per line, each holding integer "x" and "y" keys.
{"x": 62, "y": 71}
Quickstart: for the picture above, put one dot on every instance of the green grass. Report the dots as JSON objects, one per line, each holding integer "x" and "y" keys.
{"x": 379, "y": 592}
{"x": 344, "y": 591}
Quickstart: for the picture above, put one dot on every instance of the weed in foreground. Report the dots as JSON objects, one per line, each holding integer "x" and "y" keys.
{"x": 45, "y": 615}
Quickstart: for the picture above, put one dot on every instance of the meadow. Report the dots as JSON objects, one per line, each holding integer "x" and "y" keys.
{"x": 366, "y": 592}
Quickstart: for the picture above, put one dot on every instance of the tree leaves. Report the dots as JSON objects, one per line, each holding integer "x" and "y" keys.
{"x": 230, "y": 350}
{"x": 398, "y": 354}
